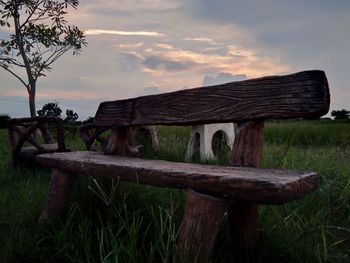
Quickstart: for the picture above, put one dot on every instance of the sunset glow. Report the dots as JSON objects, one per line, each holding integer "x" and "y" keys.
{"x": 136, "y": 46}
{"x": 122, "y": 33}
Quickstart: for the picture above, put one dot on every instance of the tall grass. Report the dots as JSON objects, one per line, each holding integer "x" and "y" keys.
{"x": 137, "y": 223}
{"x": 305, "y": 133}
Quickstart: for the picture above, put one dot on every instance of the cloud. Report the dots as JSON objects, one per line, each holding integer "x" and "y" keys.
{"x": 158, "y": 63}
{"x": 302, "y": 33}
{"x": 130, "y": 61}
{"x": 222, "y": 78}
{"x": 131, "y": 6}
{"x": 239, "y": 52}
{"x": 131, "y": 45}
{"x": 164, "y": 46}
{"x": 201, "y": 39}
{"x": 123, "y": 33}
{"x": 235, "y": 60}
{"x": 171, "y": 44}
{"x": 149, "y": 91}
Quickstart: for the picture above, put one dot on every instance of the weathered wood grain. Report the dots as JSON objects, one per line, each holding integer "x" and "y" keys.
{"x": 29, "y": 152}
{"x": 267, "y": 186}
{"x": 92, "y": 135}
{"x": 57, "y": 197}
{"x": 303, "y": 94}
{"x": 200, "y": 225}
{"x": 243, "y": 216}
{"x": 118, "y": 141}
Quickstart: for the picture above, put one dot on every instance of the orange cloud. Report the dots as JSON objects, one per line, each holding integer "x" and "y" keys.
{"x": 123, "y": 33}
{"x": 237, "y": 60}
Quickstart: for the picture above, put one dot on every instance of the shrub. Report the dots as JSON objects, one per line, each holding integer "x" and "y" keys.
{"x": 3, "y": 120}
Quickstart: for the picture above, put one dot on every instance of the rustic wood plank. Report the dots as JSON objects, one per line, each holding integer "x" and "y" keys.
{"x": 29, "y": 127}
{"x": 118, "y": 141}
{"x": 57, "y": 197}
{"x": 200, "y": 225}
{"x": 24, "y": 136}
{"x": 299, "y": 95}
{"x": 243, "y": 216}
{"x": 267, "y": 186}
{"x": 91, "y": 135}
{"x": 30, "y": 152}
{"x": 47, "y": 147}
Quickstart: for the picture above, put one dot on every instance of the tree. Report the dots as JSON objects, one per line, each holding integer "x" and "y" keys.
{"x": 40, "y": 36}
{"x": 71, "y": 116}
{"x": 50, "y": 109}
{"x": 341, "y": 114}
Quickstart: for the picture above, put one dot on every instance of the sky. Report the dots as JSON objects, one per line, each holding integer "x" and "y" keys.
{"x": 141, "y": 47}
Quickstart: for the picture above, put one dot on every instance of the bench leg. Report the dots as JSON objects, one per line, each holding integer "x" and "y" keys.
{"x": 57, "y": 197}
{"x": 202, "y": 219}
{"x": 244, "y": 222}
{"x": 243, "y": 216}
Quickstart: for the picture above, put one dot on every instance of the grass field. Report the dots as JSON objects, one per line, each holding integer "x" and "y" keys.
{"x": 135, "y": 223}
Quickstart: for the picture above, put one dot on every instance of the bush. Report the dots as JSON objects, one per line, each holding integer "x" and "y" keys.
{"x": 341, "y": 114}
{"x": 3, "y": 120}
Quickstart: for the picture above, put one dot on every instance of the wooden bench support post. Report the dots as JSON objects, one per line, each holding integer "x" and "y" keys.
{"x": 119, "y": 141}
{"x": 200, "y": 225}
{"x": 57, "y": 197}
{"x": 247, "y": 151}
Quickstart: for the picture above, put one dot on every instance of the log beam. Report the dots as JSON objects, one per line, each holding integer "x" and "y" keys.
{"x": 57, "y": 197}
{"x": 300, "y": 95}
{"x": 247, "y": 151}
{"x": 200, "y": 225}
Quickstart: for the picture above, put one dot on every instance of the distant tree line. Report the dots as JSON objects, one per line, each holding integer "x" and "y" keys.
{"x": 52, "y": 109}
{"x": 341, "y": 114}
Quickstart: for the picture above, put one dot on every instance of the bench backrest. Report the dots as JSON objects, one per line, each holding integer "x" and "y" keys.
{"x": 300, "y": 95}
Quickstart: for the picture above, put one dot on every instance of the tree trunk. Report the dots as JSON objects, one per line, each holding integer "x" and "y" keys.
{"x": 31, "y": 91}
{"x": 31, "y": 87}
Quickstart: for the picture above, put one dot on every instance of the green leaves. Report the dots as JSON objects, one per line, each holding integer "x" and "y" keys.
{"x": 41, "y": 35}
{"x": 4, "y": 23}
{"x": 50, "y": 109}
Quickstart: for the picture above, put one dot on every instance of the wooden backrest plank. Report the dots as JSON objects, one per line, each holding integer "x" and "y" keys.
{"x": 299, "y": 95}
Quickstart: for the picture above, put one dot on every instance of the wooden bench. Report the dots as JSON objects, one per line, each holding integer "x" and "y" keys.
{"x": 211, "y": 190}
{"x": 24, "y": 130}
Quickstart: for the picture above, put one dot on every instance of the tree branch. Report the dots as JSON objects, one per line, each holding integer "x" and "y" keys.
{"x": 31, "y": 14}
{"x": 12, "y": 61}
{"x": 51, "y": 59}
{"x": 14, "y": 74}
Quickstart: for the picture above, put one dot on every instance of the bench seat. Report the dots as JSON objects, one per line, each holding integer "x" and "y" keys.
{"x": 263, "y": 186}
{"x": 30, "y": 152}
